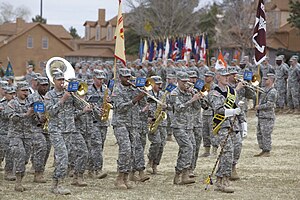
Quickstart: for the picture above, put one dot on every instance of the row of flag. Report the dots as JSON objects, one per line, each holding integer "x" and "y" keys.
{"x": 181, "y": 48}
{"x": 9, "y": 70}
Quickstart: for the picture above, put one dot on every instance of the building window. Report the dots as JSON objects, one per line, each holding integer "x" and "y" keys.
{"x": 87, "y": 32}
{"x": 29, "y": 42}
{"x": 109, "y": 33}
{"x": 45, "y": 42}
{"x": 98, "y": 33}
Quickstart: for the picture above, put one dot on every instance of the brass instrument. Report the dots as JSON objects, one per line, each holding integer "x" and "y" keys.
{"x": 204, "y": 91}
{"x": 159, "y": 115}
{"x": 105, "y": 106}
{"x": 148, "y": 86}
{"x": 253, "y": 85}
{"x": 46, "y": 124}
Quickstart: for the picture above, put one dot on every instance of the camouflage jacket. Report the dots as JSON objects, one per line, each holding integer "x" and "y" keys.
{"x": 19, "y": 123}
{"x": 4, "y": 120}
{"x": 294, "y": 76}
{"x": 267, "y": 103}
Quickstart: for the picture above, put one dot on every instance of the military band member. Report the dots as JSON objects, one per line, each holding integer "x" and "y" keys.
{"x": 60, "y": 105}
{"x": 5, "y": 150}
{"x": 40, "y": 139}
{"x": 18, "y": 132}
{"x": 281, "y": 71}
{"x": 157, "y": 138}
{"x": 171, "y": 79}
{"x": 125, "y": 99}
{"x": 266, "y": 116}
{"x": 183, "y": 103}
{"x": 223, "y": 102}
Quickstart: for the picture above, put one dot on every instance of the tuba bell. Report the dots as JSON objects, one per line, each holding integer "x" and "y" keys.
{"x": 59, "y": 64}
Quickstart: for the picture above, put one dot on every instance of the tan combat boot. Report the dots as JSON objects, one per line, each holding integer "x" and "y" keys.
{"x": 191, "y": 174}
{"x": 8, "y": 176}
{"x": 143, "y": 176}
{"x": 260, "y": 154}
{"x": 119, "y": 183}
{"x": 266, "y": 154}
{"x": 18, "y": 185}
{"x": 91, "y": 174}
{"x": 133, "y": 177}
{"x": 39, "y": 178}
{"x": 226, "y": 185}
{"x": 185, "y": 179}
{"x": 176, "y": 179}
{"x": 206, "y": 152}
{"x": 57, "y": 188}
{"x": 80, "y": 180}
{"x": 218, "y": 184}
{"x": 126, "y": 181}
{"x": 234, "y": 176}
{"x": 100, "y": 174}
{"x": 149, "y": 166}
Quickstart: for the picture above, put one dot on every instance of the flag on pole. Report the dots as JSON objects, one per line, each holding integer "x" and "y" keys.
{"x": 259, "y": 34}
{"x": 145, "y": 54}
{"x": 220, "y": 64}
{"x": 166, "y": 51}
{"x": 203, "y": 48}
{"x": 188, "y": 49}
{"x": 9, "y": 70}
{"x": 120, "y": 37}
{"x": 141, "y": 50}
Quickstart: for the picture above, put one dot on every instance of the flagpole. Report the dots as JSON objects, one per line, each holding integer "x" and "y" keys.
{"x": 115, "y": 70}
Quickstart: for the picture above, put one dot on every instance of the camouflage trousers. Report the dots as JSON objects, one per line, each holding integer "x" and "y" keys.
{"x": 198, "y": 137}
{"x": 293, "y": 97}
{"x": 157, "y": 144}
{"x": 6, "y": 153}
{"x": 282, "y": 94}
{"x": 186, "y": 142}
{"x": 68, "y": 145}
{"x": 40, "y": 151}
{"x": 143, "y": 130}
{"x": 226, "y": 159}
{"x": 237, "y": 146}
{"x": 264, "y": 132}
{"x": 207, "y": 130}
{"x": 138, "y": 158}
{"x": 125, "y": 137}
{"x": 20, "y": 148}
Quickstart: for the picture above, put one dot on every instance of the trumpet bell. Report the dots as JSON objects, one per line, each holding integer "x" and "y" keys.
{"x": 82, "y": 89}
{"x": 59, "y": 64}
{"x": 149, "y": 84}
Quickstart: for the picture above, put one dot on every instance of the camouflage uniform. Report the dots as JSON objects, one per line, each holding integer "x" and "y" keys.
{"x": 293, "y": 87}
{"x": 281, "y": 84}
{"x": 266, "y": 118}
{"x": 63, "y": 134}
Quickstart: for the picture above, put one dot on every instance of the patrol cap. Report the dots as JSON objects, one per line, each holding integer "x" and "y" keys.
{"x": 201, "y": 60}
{"x": 234, "y": 60}
{"x": 213, "y": 59}
{"x": 210, "y": 73}
{"x": 192, "y": 60}
{"x": 29, "y": 66}
{"x": 279, "y": 57}
{"x": 192, "y": 74}
{"x": 99, "y": 73}
{"x": 3, "y": 84}
{"x": 294, "y": 57}
{"x": 10, "y": 90}
{"x": 171, "y": 76}
{"x": 34, "y": 76}
{"x": 232, "y": 70}
{"x": 58, "y": 75}
{"x": 124, "y": 72}
{"x": 157, "y": 79}
{"x": 22, "y": 85}
{"x": 222, "y": 72}
{"x": 270, "y": 75}
{"x": 183, "y": 76}
{"x": 42, "y": 80}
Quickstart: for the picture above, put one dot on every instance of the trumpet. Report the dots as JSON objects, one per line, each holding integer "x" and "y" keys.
{"x": 253, "y": 85}
{"x": 204, "y": 91}
{"x": 148, "y": 86}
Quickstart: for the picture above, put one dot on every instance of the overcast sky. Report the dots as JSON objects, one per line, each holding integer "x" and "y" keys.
{"x": 72, "y": 12}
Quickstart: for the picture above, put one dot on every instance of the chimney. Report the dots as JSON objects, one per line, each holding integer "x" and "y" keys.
{"x": 20, "y": 24}
{"x": 101, "y": 16}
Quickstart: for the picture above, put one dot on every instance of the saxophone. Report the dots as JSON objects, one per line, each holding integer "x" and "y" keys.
{"x": 105, "y": 106}
{"x": 159, "y": 115}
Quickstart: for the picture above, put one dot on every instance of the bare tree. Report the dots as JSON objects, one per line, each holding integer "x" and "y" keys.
{"x": 157, "y": 18}
{"x": 9, "y": 14}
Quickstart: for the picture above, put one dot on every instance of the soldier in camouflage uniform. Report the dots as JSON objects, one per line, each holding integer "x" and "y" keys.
{"x": 171, "y": 79}
{"x": 223, "y": 102}
{"x": 157, "y": 138}
{"x": 183, "y": 103}
{"x": 18, "y": 132}
{"x": 5, "y": 151}
{"x": 266, "y": 116}
{"x": 125, "y": 99}
{"x": 281, "y": 71}
{"x": 207, "y": 115}
{"x": 65, "y": 139}
{"x": 293, "y": 86}
{"x": 197, "y": 125}
{"x": 3, "y": 85}
{"x": 40, "y": 139}
{"x": 99, "y": 128}
{"x": 202, "y": 69}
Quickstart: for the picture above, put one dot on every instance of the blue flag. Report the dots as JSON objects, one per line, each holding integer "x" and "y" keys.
{"x": 151, "y": 51}
{"x": 141, "y": 50}
{"x": 9, "y": 70}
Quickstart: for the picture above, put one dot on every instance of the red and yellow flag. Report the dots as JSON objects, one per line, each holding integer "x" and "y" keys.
{"x": 120, "y": 37}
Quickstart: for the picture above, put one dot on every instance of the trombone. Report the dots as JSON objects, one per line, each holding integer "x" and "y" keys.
{"x": 148, "y": 86}
{"x": 253, "y": 85}
{"x": 204, "y": 91}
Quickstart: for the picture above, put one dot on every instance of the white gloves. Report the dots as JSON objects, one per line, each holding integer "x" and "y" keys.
{"x": 245, "y": 129}
{"x": 232, "y": 112}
